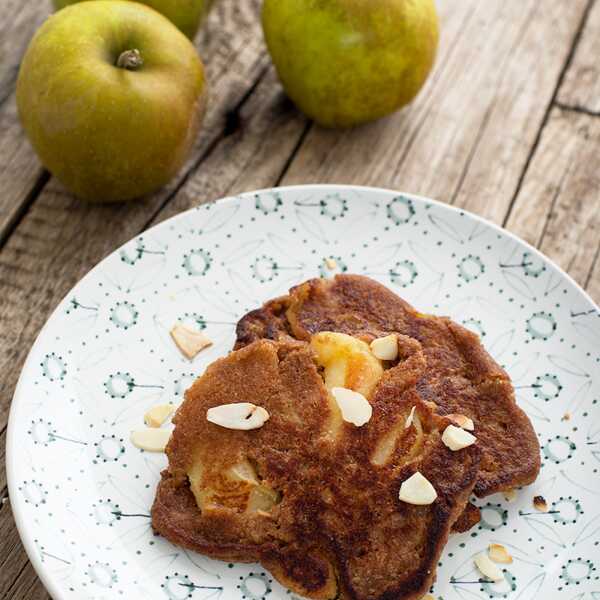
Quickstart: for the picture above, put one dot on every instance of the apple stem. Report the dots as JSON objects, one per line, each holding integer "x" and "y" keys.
{"x": 130, "y": 60}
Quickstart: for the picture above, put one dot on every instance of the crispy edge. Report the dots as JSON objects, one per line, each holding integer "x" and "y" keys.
{"x": 469, "y": 517}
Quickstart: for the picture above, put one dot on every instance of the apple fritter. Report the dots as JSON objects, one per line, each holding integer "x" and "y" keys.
{"x": 460, "y": 378}
{"x": 320, "y": 511}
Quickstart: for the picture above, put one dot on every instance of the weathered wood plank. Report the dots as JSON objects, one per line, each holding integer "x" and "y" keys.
{"x": 558, "y": 206}
{"x": 12, "y": 555}
{"x": 18, "y": 579}
{"x": 28, "y": 586}
{"x": 19, "y": 168}
{"x": 581, "y": 88}
{"x": 3, "y": 483}
{"x": 60, "y": 238}
{"x": 593, "y": 282}
{"x": 18, "y": 21}
{"x": 467, "y": 137}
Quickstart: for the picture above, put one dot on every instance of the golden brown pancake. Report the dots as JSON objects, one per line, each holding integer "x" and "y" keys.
{"x": 320, "y": 511}
{"x": 461, "y": 377}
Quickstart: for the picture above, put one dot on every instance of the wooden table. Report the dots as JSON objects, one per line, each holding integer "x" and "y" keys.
{"x": 508, "y": 126}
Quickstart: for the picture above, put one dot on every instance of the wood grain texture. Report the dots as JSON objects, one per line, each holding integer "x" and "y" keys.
{"x": 20, "y": 170}
{"x": 28, "y": 586}
{"x": 558, "y": 206}
{"x": 3, "y": 486}
{"x": 12, "y": 555}
{"x": 18, "y": 21}
{"x": 466, "y": 138}
{"x": 581, "y": 88}
{"x": 593, "y": 283}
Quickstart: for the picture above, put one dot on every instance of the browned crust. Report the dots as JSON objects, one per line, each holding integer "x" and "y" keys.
{"x": 340, "y": 529}
{"x": 461, "y": 376}
{"x": 467, "y": 519}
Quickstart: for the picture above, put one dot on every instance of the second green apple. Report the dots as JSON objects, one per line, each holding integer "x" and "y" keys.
{"x": 186, "y": 15}
{"x": 345, "y": 62}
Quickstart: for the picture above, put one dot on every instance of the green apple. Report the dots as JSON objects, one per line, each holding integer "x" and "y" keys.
{"x": 111, "y": 95}
{"x": 345, "y": 62}
{"x": 187, "y": 15}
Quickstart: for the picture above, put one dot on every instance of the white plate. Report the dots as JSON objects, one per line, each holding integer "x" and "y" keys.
{"x": 81, "y": 493}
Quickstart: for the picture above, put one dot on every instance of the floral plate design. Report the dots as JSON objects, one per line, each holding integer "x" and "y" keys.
{"x": 81, "y": 493}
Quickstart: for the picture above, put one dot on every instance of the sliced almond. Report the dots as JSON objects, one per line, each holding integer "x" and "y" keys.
{"x": 409, "y": 419}
{"x": 158, "y": 414}
{"x": 488, "y": 568}
{"x": 566, "y": 417}
{"x": 331, "y": 263}
{"x": 417, "y": 490}
{"x": 189, "y": 341}
{"x": 428, "y": 597}
{"x": 151, "y": 439}
{"x": 510, "y": 495}
{"x": 456, "y": 438}
{"x": 461, "y": 421}
{"x": 355, "y": 408}
{"x": 499, "y": 554}
{"x": 385, "y": 348}
{"x": 539, "y": 503}
{"x": 238, "y": 415}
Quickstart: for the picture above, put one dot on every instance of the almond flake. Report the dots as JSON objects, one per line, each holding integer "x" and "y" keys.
{"x": 488, "y": 568}
{"x": 539, "y": 503}
{"x": 566, "y": 417}
{"x": 499, "y": 554}
{"x": 355, "y": 408}
{"x": 428, "y": 597}
{"x": 151, "y": 439}
{"x": 385, "y": 348}
{"x": 331, "y": 264}
{"x": 238, "y": 415}
{"x": 189, "y": 341}
{"x": 510, "y": 495}
{"x": 417, "y": 490}
{"x": 461, "y": 421}
{"x": 456, "y": 438}
{"x": 158, "y": 414}
{"x": 410, "y": 417}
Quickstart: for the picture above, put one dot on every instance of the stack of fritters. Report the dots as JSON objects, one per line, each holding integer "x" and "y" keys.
{"x": 321, "y": 509}
{"x": 460, "y": 376}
